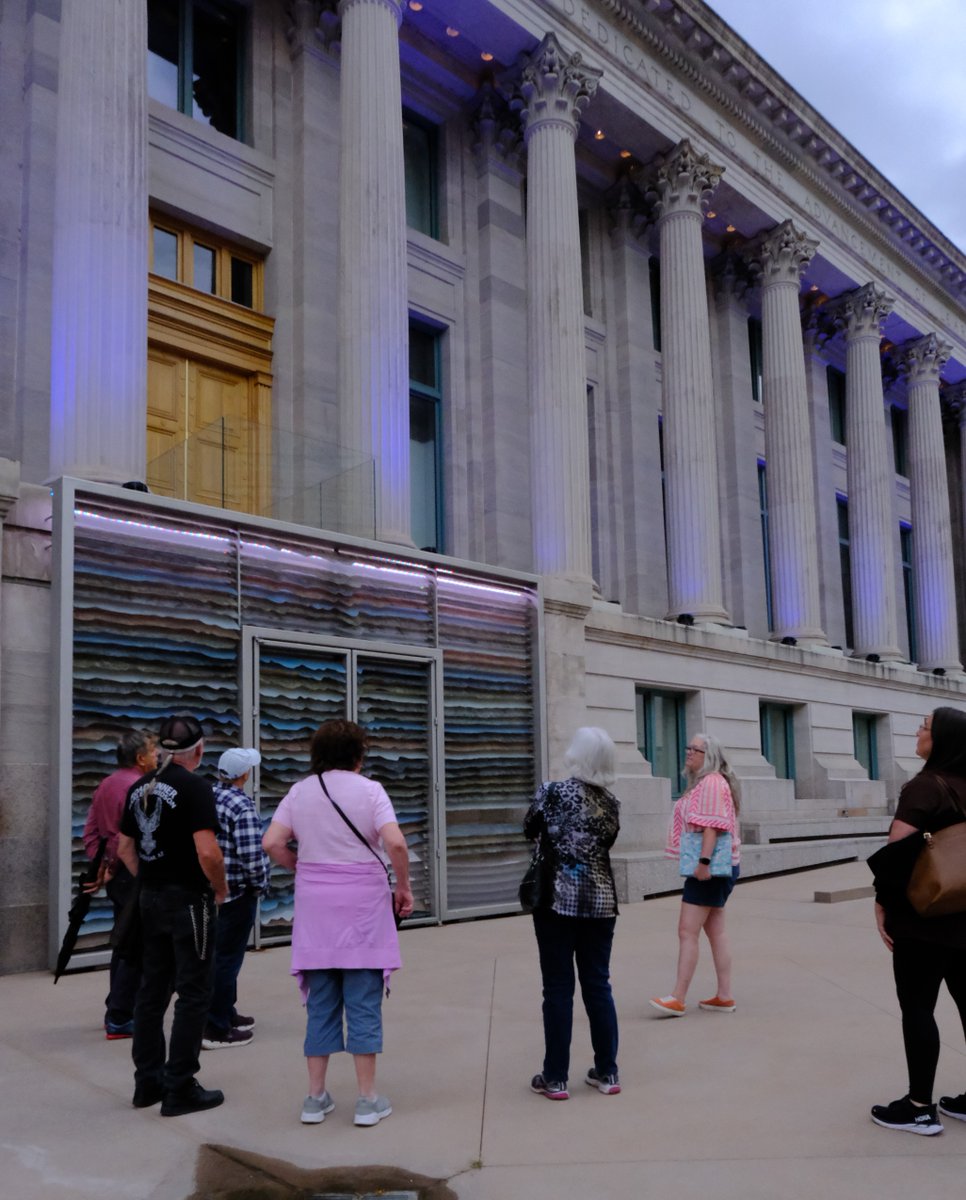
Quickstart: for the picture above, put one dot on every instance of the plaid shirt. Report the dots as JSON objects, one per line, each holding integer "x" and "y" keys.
{"x": 240, "y": 838}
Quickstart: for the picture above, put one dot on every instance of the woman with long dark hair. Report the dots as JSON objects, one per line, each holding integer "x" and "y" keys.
{"x": 577, "y": 821}
{"x": 926, "y": 951}
{"x": 710, "y": 806}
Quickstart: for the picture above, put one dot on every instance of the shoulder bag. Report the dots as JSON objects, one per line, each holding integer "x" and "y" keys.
{"x": 937, "y": 886}
{"x": 536, "y": 886}
{"x": 392, "y": 895}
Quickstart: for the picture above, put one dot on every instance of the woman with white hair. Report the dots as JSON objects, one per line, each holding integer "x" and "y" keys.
{"x": 709, "y": 806}
{"x": 577, "y": 823}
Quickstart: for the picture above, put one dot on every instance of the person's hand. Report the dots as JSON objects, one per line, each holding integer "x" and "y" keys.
{"x": 880, "y": 925}
{"x": 221, "y": 895}
{"x": 403, "y": 901}
{"x": 702, "y": 871}
{"x": 104, "y": 873}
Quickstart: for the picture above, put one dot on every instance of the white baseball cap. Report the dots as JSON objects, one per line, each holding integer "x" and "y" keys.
{"x": 235, "y": 762}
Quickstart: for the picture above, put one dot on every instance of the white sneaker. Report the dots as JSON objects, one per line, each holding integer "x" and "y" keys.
{"x": 371, "y": 1112}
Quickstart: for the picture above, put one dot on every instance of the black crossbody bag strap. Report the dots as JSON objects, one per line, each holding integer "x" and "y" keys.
{"x": 364, "y": 841}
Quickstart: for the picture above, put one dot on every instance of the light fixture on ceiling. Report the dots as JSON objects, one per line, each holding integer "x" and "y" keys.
{"x": 729, "y": 228}
{"x": 486, "y": 56}
{"x": 599, "y": 135}
{"x": 813, "y": 288}
{"x": 711, "y": 216}
{"x": 451, "y": 32}
{"x": 625, "y": 154}
{"x": 416, "y": 5}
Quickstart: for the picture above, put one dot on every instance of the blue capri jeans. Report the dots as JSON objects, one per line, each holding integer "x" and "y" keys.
{"x": 356, "y": 996}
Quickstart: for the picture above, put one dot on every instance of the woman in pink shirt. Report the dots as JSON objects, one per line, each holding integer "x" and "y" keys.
{"x": 709, "y": 805}
{"x": 344, "y": 940}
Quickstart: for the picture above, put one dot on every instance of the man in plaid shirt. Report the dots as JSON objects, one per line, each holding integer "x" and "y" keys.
{"x": 246, "y": 870}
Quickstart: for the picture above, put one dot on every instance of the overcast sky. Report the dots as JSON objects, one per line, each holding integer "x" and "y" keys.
{"x": 888, "y": 74}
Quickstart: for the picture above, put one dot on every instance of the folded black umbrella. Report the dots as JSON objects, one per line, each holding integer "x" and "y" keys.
{"x": 78, "y": 911}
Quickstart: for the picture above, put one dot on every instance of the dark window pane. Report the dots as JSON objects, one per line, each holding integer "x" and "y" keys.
{"x": 423, "y": 462}
{"x": 214, "y": 76}
{"x": 423, "y": 357}
{"x": 419, "y": 150}
{"x": 900, "y": 428}
{"x": 755, "y": 353}
{"x": 204, "y": 263}
{"x": 242, "y": 274}
{"x": 163, "y": 53}
{"x": 654, "y": 271}
{"x": 165, "y": 254}
{"x": 836, "y": 403}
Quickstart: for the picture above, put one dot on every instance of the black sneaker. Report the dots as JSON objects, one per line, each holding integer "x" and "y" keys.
{"x": 552, "y": 1089}
{"x": 193, "y": 1098}
{"x": 609, "y": 1085}
{"x": 217, "y": 1039}
{"x": 240, "y": 1022}
{"x": 953, "y": 1106}
{"x": 903, "y": 1114}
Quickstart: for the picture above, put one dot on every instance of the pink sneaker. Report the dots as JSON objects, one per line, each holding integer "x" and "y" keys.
{"x": 669, "y": 1005}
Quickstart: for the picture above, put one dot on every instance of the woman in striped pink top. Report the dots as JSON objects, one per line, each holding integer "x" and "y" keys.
{"x": 709, "y": 805}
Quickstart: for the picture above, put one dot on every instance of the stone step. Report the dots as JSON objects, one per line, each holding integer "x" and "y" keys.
{"x": 796, "y": 828}
{"x": 648, "y": 873}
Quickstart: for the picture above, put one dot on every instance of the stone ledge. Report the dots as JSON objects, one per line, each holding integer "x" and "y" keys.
{"x": 853, "y": 893}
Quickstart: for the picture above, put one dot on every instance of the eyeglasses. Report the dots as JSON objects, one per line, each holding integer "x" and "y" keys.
{"x": 694, "y": 749}
{"x": 926, "y": 724}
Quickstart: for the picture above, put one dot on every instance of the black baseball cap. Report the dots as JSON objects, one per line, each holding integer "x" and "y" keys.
{"x": 179, "y": 733}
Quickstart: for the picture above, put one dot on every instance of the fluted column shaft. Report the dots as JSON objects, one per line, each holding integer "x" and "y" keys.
{"x": 552, "y": 89}
{"x": 98, "y": 386}
{"x": 792, "y": 534}
{"x": 870, "y": 477}
{"x": 683, "y": 182}
{"x": 373, "y": 307}
{"x": 937, "y": 637}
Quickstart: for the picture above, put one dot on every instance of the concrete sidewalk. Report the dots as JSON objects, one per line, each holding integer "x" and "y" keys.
{"x": 770, "y": 1102}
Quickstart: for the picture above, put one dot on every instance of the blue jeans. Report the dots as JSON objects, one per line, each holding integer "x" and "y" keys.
{"x": 119, "y": 1004}
{"x": 235, "y": 921}
{"x": 178, "y": 957}
{"x": 561, "y": 941}
{"x": 357, "y": 994}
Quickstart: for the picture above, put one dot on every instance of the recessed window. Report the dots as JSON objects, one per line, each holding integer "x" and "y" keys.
{"x": 756, "y": 356}
{"x": 421, "y": 153}
{"x": 661, "y": 733}
{"x": 425, "y": 437}
{"x": 654, "y": 273}
{"x": 204, "y": 262}
{"x": 845, "y": 567}
{"x": 908, "y": 588}
{"x": 864, "y": 741}
{"x": 196, "y": 54}
{"x": 835, "y": 381}
{"x": 778, "y": 738}
{"x": 900, "y": 439}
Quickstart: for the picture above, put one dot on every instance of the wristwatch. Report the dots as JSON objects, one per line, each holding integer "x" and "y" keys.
{"x": 705, "y": 862}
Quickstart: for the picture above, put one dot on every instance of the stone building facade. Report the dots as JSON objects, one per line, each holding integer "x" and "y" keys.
{"x": 578, "y": 295}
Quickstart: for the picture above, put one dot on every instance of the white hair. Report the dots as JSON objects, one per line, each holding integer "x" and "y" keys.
{"x": 592, "y": 757}
{"x": 715, "y": 763}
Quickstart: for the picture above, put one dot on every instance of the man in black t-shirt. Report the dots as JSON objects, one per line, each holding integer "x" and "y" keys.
{"x": 168, "y": 838}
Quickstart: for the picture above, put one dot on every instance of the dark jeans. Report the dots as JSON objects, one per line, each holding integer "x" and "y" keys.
{"x": 119, "y": 1004}
{"x": 561, "y": 941}
{"x": 919, "y": 969}
{"x": 179, "y": 949}
{"x": 235, "y": 921}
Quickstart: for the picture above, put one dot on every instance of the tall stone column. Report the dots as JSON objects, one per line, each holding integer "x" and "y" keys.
{"x": 870, "y": 476}
{"x": 98, "y": 384}
{"x": 551, "y": 89}
{"x": 684, "y": 181}
{"x": 937, "y": 637}
{"x": 779, "y": 259}
{"x": 373, "y": 313}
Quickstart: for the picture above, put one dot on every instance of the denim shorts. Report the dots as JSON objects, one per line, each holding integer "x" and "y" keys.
{"x": 356, "y": 996}
{"x": 710, "y": 893}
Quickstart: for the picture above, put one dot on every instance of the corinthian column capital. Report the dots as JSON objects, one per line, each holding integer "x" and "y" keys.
{"x": 922, "y": 360}
{"x": 311, "y": 23}
{"x": 551, "y": 86}
{"x": 861, "y": 313}
{"x": 683, "y": 180}
{"x": 496, "y": 133}
{"x": 781, "y": 255}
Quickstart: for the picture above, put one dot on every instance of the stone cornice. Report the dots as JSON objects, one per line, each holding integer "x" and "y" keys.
{"x": 706, "y": 51}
